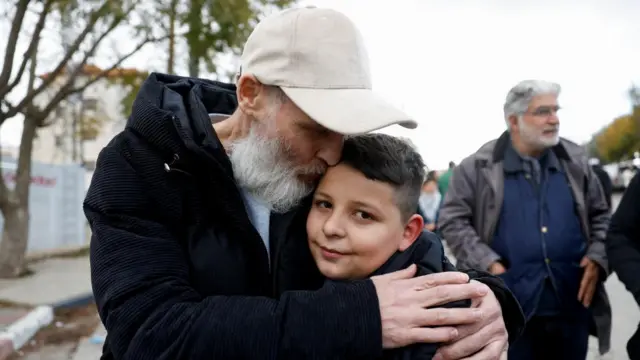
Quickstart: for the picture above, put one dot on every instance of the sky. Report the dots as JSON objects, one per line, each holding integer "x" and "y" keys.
{"x": 450, "y": 64}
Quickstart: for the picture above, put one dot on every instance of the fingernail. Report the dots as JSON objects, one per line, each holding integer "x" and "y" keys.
{"x": 454, "y": 333}
{"x": 438, "y": 357}
{"x": 482, "y": 290}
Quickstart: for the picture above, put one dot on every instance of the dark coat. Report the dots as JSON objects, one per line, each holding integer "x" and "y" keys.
{"x": 179, "y": 272}
{"x": 605, "y": 181}
{"x": 623, "y": 249}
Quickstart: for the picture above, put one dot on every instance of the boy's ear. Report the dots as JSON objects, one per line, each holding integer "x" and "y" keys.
{"x": 412, "y": 230}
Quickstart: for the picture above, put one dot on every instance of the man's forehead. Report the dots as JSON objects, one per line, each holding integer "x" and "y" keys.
{"x": 544, "y": 99}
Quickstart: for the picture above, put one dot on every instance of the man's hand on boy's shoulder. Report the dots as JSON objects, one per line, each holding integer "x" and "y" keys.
{"x": 490, "y": 330}
{"x": 511, "y": 310}
{"x": 410, "y": 314}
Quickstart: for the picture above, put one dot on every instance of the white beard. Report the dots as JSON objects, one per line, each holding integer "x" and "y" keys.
{"x": 260, "y": 166}
{"x": 535, "y": 139}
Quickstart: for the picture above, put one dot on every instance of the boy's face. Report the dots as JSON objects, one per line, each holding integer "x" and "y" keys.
{"x": 354, "y": 225}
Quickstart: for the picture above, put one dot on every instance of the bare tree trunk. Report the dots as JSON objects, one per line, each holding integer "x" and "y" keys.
{"x": 173, "y": 14}
{"x": 194, "y": 19}
{"x": 194, "y": 66}
{"x": 15, "y": 235}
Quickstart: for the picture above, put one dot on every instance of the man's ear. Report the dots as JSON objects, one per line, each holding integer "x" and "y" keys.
{"x": 412, "y": 230}
{"x": 513, "y": 122}
{"x": 251, "y": 94}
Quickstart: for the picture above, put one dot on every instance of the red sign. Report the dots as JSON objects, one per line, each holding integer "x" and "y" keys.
{"x": 38, "y": 180}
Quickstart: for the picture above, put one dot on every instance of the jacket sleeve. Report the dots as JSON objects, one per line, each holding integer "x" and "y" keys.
{"x": 599, "y": 217}
{"x": 140, "y": 279}
{"x": 455, "y": 219}
{"x": 623, "y": 239}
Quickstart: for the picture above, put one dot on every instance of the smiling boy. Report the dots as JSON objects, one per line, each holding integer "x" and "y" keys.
{"x": 363, "y": 219}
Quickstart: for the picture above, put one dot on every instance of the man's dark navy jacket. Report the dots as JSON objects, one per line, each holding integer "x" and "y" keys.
{"x": 179, "y": 272}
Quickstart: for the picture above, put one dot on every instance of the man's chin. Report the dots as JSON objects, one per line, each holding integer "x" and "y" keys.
{"x": 547, "y": 141}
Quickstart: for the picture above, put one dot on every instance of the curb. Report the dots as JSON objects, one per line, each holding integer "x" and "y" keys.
{"x": 22, "y": 330}
{"x": 75, "y": 301}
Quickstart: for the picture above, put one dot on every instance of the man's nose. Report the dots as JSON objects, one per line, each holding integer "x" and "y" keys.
{"x": 331, "y": 149}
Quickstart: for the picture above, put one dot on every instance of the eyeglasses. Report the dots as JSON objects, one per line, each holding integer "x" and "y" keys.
{"x": 545, "y": 110}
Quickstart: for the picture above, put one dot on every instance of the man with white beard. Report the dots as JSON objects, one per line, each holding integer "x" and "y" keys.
{"x": 199, "y": 248}
{"x": 529, "y": 208}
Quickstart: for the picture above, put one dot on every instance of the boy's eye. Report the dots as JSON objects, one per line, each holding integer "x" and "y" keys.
{"x": 364, "y": 215}
{"x": 323, "y": 204}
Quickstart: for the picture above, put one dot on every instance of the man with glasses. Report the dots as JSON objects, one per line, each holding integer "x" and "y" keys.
{"x": 528, "y": 208}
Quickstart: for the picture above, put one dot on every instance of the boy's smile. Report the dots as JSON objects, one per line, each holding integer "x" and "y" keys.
{"x": 355, "y": 225}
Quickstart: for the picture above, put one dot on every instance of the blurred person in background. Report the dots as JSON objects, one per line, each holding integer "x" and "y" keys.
{"x": 623, "y": 249}
{"x": 430, "y": 200}
{"x": 443, "y": 179}
{"x": 627, "y": 174}
{"x": 605, "y": 179}
{"x": 529, "y": 208}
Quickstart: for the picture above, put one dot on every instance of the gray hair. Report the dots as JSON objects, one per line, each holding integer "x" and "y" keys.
{"x": 520, "y": 96}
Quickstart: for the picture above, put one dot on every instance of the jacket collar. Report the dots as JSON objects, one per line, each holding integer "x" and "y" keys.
{"x": 504, "y": 141}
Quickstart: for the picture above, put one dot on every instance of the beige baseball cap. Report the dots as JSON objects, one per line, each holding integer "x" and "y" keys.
{"x": 318, "y": 58}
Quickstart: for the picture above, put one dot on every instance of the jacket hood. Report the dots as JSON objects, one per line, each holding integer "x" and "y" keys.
{"x": 171, "y": 113}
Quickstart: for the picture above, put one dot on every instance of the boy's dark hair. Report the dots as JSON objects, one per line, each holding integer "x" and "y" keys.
{"x": 390, "y": 160}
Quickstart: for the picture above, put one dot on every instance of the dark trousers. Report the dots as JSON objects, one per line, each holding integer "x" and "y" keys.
{"x": 552, "y": 338}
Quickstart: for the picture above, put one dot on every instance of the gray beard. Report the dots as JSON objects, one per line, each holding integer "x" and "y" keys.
{"x": 260, "y": 167}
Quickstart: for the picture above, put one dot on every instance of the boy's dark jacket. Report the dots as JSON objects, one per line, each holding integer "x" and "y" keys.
{"x": 179, "y": 272}
{"x": 427, "y": 253}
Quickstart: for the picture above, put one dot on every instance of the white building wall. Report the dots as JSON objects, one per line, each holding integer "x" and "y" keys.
{"x": 54, "y": 143}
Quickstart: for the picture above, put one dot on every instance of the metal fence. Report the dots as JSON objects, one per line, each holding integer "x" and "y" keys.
{"x": 56, "y": 219}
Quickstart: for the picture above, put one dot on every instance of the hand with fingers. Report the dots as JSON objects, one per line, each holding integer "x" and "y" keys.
{"x": 485, "y": 339}
{"x": 409, "y": 314}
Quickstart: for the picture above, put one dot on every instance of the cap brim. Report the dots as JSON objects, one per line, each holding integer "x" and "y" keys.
{"x": 348, "y": 111}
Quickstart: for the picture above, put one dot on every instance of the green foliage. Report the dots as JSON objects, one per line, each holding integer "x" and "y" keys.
{"x": 621, "y": 138}
{"x": 222, "y": 26}
{"x": 213, "y": 27}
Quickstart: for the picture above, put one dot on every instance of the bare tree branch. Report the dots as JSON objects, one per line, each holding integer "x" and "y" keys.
{"x": 73, "y": 48}
{"x": 12, "y": 41}
{"x": 68, "y": 88}
{"x": 30, "y": 52}
{"x": 23, "y": 172}
{"x": 7, "y": 104}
